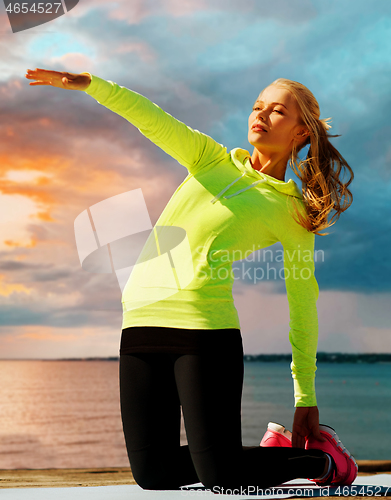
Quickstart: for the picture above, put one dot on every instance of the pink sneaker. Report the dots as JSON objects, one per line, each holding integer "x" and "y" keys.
{"x": 345, "y": 468}
{"x": 276, "y": 435}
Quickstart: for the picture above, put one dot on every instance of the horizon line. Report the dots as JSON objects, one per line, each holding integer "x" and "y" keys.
{"x": 320, "y": 353}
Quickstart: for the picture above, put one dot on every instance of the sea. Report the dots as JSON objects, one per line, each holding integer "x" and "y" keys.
{"x": 66, "y": 413}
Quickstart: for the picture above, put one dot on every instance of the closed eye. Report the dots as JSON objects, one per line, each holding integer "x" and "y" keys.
{"x": 255, "y": 108}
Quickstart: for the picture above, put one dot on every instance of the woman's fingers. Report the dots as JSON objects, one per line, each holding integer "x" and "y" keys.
{"x": 38, "y": 82}
{"x": 39, "y": 72}
{"x": 297, "y": 438}
{"x": 42, "y": 77}
{"x": 60, "y": 79}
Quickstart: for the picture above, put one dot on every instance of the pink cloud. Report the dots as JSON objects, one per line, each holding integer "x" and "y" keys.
{"x": 36, "y": 341}
{"x": 74, "y": 62}
{"x": 137, "y": 10}
{"x": 142, "y": 49}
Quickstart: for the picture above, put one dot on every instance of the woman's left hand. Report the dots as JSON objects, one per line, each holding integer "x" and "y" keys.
{"x": 305, "y": 422}
{"x": 60, "y": 79}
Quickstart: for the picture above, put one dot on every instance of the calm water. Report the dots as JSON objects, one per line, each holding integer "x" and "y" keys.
{"x": 67, "y": 414}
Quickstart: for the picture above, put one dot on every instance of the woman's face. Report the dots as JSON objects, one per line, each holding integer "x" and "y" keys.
{"x": 275, "y": 121}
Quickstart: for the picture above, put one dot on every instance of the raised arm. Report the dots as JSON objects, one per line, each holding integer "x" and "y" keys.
{"x": 191, "y": 148}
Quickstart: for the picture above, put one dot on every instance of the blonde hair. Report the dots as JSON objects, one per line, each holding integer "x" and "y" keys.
{"x": 323, "y": 190}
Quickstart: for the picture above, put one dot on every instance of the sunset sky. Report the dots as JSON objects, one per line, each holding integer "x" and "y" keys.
{"x": 204, "y": 62}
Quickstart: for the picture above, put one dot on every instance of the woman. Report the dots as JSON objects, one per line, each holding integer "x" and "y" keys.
{"x": 181, "y": 342}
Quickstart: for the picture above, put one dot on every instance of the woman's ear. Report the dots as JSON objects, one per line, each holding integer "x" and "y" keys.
{"x": 302, "y": 134}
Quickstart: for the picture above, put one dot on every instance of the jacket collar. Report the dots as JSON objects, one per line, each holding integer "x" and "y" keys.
{"x": 241, "y": 159}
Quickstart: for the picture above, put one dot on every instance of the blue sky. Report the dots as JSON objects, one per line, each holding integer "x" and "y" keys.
{"x": 205, "y": 63}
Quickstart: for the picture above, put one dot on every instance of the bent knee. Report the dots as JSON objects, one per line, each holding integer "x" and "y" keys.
{"x": 150, "y": 481}
{"x": 216, "y": 479}
{"x": 220, "y": 473}
{"x": 152, "y": 478}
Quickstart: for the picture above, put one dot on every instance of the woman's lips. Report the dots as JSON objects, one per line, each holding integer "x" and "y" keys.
{"x": 259, "y": 129}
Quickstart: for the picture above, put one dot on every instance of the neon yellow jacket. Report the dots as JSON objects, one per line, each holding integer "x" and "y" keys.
{"x": 222, "y": 212}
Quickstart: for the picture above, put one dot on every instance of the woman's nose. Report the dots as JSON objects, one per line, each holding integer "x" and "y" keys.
{"x": 261, "y": 116}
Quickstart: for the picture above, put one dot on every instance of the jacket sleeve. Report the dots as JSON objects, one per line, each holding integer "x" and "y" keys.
{"x": 191, "y": 148}
{"x": 302, "y": 292}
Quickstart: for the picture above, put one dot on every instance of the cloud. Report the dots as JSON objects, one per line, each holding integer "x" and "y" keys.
{"x": 53, "y": 343}
{"x": 145, "y": 53}
{"x": 9, "y": 288}
{"x": 204, "y": 63}
{"x": 348, "y": 321}
{"x": 138, "y": 11}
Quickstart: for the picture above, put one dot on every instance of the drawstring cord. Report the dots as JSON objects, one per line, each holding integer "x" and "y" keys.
{"x": 237, "y": 192}
{"x": 245, "y": 189}
{"x": 226, "y": 188}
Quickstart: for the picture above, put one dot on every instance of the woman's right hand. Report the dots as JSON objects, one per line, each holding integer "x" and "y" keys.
{"x": 60, "y": 79}
{"x": 305, "y": 422}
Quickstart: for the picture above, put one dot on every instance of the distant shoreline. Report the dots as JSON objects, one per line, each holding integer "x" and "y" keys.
{"x": 322, "y": 357}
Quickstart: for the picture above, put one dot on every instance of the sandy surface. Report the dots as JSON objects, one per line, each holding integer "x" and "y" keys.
{"x": 60, "y": 478}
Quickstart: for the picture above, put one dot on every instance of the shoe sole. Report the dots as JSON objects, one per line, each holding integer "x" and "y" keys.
{"x": 338, "y": 443}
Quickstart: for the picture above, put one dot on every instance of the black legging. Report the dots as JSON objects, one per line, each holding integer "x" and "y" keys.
{"x": 209, "y": 388}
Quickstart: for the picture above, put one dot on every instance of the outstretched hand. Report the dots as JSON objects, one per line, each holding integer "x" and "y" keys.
{"x": 305, "y": 422}
{"x": 60, "y": 79}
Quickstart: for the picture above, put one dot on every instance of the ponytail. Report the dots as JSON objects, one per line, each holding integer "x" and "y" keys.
{"x": 323, "y": 190}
